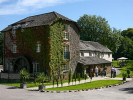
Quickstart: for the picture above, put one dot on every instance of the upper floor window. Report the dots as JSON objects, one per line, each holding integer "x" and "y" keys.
{"x": 66, "y": 35}
{"x": 109, "y": 55}
{"x": 66, "y": 52}
{"x": 38, "y": 48}
{"x": 14, "y": 48}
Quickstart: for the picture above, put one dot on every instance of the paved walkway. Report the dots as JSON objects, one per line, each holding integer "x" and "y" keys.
{"x": 82, "y": 81}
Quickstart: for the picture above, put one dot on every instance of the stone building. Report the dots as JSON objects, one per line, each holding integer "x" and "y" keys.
{"x": 94, "y": 54}
{"x": 50, "y": 43}
{"x": 43, "y": 43}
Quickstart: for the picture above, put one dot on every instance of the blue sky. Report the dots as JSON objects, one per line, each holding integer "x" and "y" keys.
{"x": 119, "y": 13}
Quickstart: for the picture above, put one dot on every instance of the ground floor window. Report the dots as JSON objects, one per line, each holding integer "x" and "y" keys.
{"x": 36, "y": 68}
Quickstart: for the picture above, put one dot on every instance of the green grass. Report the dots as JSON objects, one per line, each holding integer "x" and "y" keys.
{"x": 32, "y": 84}
{"x": 129, "y": 66}
{"x": 89, "y": 85}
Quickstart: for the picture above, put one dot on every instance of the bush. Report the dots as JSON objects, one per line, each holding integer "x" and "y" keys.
{"x": 128, "y": 73}
{"x": 40, "y": 77}
{"x": 124, "y": 75}
{"x": 24, "y": 75}
{"x": 69, "y": 77}
{"x": 79, "y": 77}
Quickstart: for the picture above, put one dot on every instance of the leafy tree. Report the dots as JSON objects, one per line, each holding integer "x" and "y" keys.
{"x": 114, "y": 40}
{"x": 128, "y": 33}
{"x": 94, "y": 28}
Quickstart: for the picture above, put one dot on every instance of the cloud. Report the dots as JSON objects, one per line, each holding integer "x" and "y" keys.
{"x": 26, "y": 6}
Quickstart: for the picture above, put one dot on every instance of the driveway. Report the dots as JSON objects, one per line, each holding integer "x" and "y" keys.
{"x": 122, "y": 92}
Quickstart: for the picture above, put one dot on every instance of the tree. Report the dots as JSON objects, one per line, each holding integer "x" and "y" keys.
{"x": 128, "y": 33}
{"x": 1, "y": 48}
{"x": 94, "y": 28}
{"x": 114, "y": 40}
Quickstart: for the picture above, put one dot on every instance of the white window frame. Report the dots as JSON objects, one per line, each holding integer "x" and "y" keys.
{"x": 38, "y": 48}
{"x": 66, "y": 35}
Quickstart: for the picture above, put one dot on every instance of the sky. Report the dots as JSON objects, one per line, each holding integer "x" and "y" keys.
{"x": 118, "y": 13}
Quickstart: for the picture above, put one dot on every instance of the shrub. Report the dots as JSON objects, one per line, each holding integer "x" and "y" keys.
{"x": 40, "y": 77}
{"x": 24, "y": 75}
{"x": 124, "y": 75}
{"x": 79, "y": 77}
{"x": 69, "y": 77}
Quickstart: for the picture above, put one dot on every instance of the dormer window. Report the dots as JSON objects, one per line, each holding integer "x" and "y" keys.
{"x": 66, "y": 35}
{"x": 14, "y": 48}
{"x": 38, "y": 48}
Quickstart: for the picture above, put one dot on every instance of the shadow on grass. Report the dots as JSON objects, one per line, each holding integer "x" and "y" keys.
{"x": 129, "y": 90}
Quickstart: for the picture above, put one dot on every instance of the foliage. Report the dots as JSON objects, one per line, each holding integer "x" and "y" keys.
{"x": 79, "y": 77}
{"x": 61, "y": 79}
{"x": 69, "y": 76}
{"x": 57, "y": 80}
{"x": 126, "y": 47}
{"x": 40, "y": 77}
{"x": 128, "y": 33}
{"x": 94, "y": 28}
{"x": 85, "y": 76}
{"x": 89, "y": 85}
{"x": 24, "y": 75}
{"x": 56, "y": 45}
{"x": 128, "y": 73}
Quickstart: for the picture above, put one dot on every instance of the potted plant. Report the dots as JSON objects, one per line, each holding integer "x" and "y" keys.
{"x": 124, "y": 75}
{"x": 23, "y": 76}
{"x": 40, "y": 77}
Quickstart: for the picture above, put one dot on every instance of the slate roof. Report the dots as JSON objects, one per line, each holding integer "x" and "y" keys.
{"x": 93, "y": 61}
{"x": 39, "y": 20}
{"x": 93, "y": 46}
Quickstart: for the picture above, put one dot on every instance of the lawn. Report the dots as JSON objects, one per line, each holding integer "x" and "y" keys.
{"x": 88, "y": 85}
{"x": 32, "y": 84}
{"x": 129, "y": 66}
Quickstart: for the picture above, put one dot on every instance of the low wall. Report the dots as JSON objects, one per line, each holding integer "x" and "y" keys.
{"x": 10, "y": 76}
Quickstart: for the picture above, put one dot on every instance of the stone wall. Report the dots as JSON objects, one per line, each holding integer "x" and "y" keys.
{"x": 10, "y": 76}
{"x": 74, "y": 47}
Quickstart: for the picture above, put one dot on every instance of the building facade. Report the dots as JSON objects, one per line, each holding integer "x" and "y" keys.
{"x": 43, "y": 43}
{"x": 94, "y": 54}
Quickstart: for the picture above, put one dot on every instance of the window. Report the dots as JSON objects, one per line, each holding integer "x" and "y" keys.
{"x": 14, "y": 48}
{"x": 66, "y": 36}
{"x": 35, "y": 67}
{"x": 66, "y": 52}
{"x": 82, "y": 53}
{"x": 90, "y": 53}
{"x": 38, "y": 48}
{"x": 108, "y": 55}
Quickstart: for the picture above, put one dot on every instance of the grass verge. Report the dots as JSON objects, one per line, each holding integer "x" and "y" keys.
{"x": 32, "y": 84}
{"x": 88, "y": 85}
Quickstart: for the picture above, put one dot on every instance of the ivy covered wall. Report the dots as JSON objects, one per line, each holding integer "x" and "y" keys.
{"x": 50, "y": 57}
